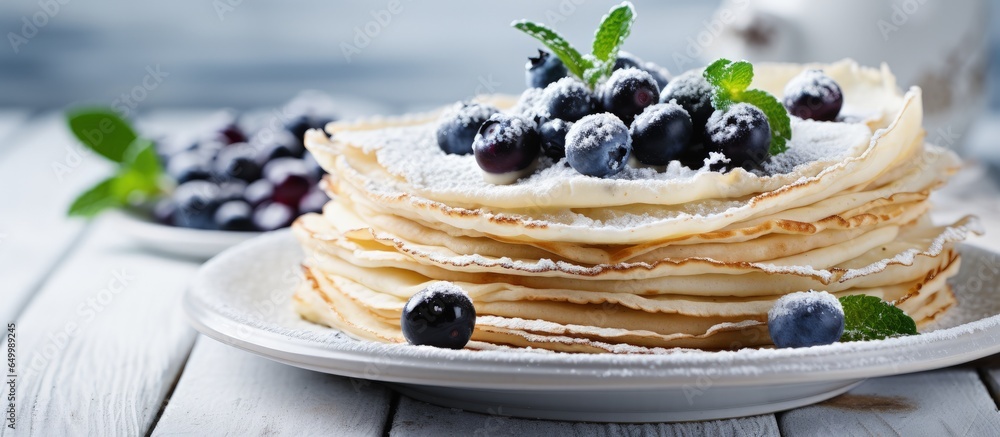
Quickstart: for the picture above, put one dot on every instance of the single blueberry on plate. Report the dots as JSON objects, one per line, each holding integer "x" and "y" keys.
{"x": 694, "y": 94}
{"x": 459, "y": 124}
{"x": 234, "y": 215}
{"x": 196, "y": 204}
{"x": 627, "y": 92}
{"x": 806, "y": 318}
{"x": 505, "y": 146}
{"x": 813, "y": 95}
{"x": 566, "y": 99}
{"x": 598, "y": 145}
{"x": 553, "y": 133}
{"x": 543, "y": 70}
{"x": 742, "y": 133}
{"x": 660, "y": 134}
{"x": 441, "y": 315}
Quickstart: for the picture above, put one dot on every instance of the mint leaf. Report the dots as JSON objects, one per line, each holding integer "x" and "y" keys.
{"x": 141, "y": 156}
{"x": 730, "y": 81}
{"x": 614, "y": 28}
{"x": 139, "y": 175}
{"x": 777, "y": 117}
{"x": 871, "y": 318}
{"x": 95, "y": 200}
{"x": 103, "y": 131}
{"x": 560, "y": 47}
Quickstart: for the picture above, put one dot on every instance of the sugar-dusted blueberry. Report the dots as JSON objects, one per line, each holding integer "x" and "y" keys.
{"x": 694, "y": 94}
{"x": 196, "y": 204}
{"x": 238, "y": 161}
{"x": 290, "y": 178}
{"x": 505, "y": 146}
{"x": 806, "y": 318}
{"x": 189, "y": 166}
{"x": 566, "y": 99}
{"x": 813, "y": 95}
{"x": 258, "y": 192}
{"x": 313, "y": 201}
{"x": 459, "y": 124}
{"x": 553, "y": 137}
{"x": 232, "y": 190}
{"x": 274, "y": 144}
{"x": 598, "y": 145}
{"x": 441, "y": 315}
{"x": 742, "y": 133}
{"x": 660, "y": 134}
{"x": 269, "y": 216}
{"x": 234, "y": 215}
{"x": 544, "y": 69}
{"x": 627, "y": 92}
{"x": 628, "y": 60}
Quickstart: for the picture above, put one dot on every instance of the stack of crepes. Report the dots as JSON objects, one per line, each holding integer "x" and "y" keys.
{"x": 644, "y": 261}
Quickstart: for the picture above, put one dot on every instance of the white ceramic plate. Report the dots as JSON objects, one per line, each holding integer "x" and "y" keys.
{"x": 173, "y": 240}
{"x": 242, "y": 298}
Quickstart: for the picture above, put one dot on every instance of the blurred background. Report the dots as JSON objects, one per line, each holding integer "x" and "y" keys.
{"x": 407, "y": 55}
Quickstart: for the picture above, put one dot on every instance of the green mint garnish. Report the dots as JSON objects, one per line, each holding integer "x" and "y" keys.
{"x": 731, "y": 80}
{"x": 590, "y": 68}
{"x": 138, "y": 174}
{"x": 871, "y": 318}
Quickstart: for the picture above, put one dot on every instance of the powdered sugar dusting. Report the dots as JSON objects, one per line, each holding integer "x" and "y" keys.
{"x": 811, "y": 300}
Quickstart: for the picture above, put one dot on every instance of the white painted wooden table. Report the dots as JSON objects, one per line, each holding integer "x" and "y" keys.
{"x": 103, "y": 347}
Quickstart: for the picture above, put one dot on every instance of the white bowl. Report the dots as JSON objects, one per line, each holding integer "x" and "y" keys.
{"x": 173, "y": 240}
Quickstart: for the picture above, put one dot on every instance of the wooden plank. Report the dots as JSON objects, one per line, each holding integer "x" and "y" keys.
{"x": 102, "y": 342}
{"x": 945, "y": 402}
{"x": 226, "y": 391}
{"x": 415, "y": 418}
{"x": 42, "y": 173}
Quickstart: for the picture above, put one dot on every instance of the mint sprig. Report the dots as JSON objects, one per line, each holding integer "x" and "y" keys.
{"x": 596, "y": 66}
{"x": 730, "y": 81}
{"x": 138, "y": 174}
{"x": 871, "y": 318}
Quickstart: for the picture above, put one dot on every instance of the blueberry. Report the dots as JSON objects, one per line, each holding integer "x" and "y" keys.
{"x": 234, "y": 215}
{"x": 543, "y": 70}
{"x": 232, "y": 133}
{"x": 694, "y": 94}
{"x": 742, "y": 133}
{"x": 506, "y": 144}
{"x": 164, "y": 210}
{"x": 567, "y": 99}
{"x": 313, "y": 201}
{"x": 628, "y": 60}
{"x": 315, "y": 170}
{"x": 276, "y": 144}
{"x": 441, "y": 315}
{"x": 660, "y": 133}
{"x": 813, "y": 95}
{"x": 627, "y": 92}
{"x": 238, "y": 161}
{"x": 290, "y": 178}
{"x": 458, "y": 126}
{"x": 258, "y": 192}
{"x": 189, "y": 166}
{"x": 806, "y": 318}
{"x": 196, "y": 204}
{"x": 269, "y": 216}
{"x": 598, "y": 145}
{"x": 553, "y": 137}
{"x": 232, "y": 190}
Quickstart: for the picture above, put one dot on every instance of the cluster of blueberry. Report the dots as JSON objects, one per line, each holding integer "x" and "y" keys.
{"x": 236, "y": 180}
{"x": 638, "y": 114}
